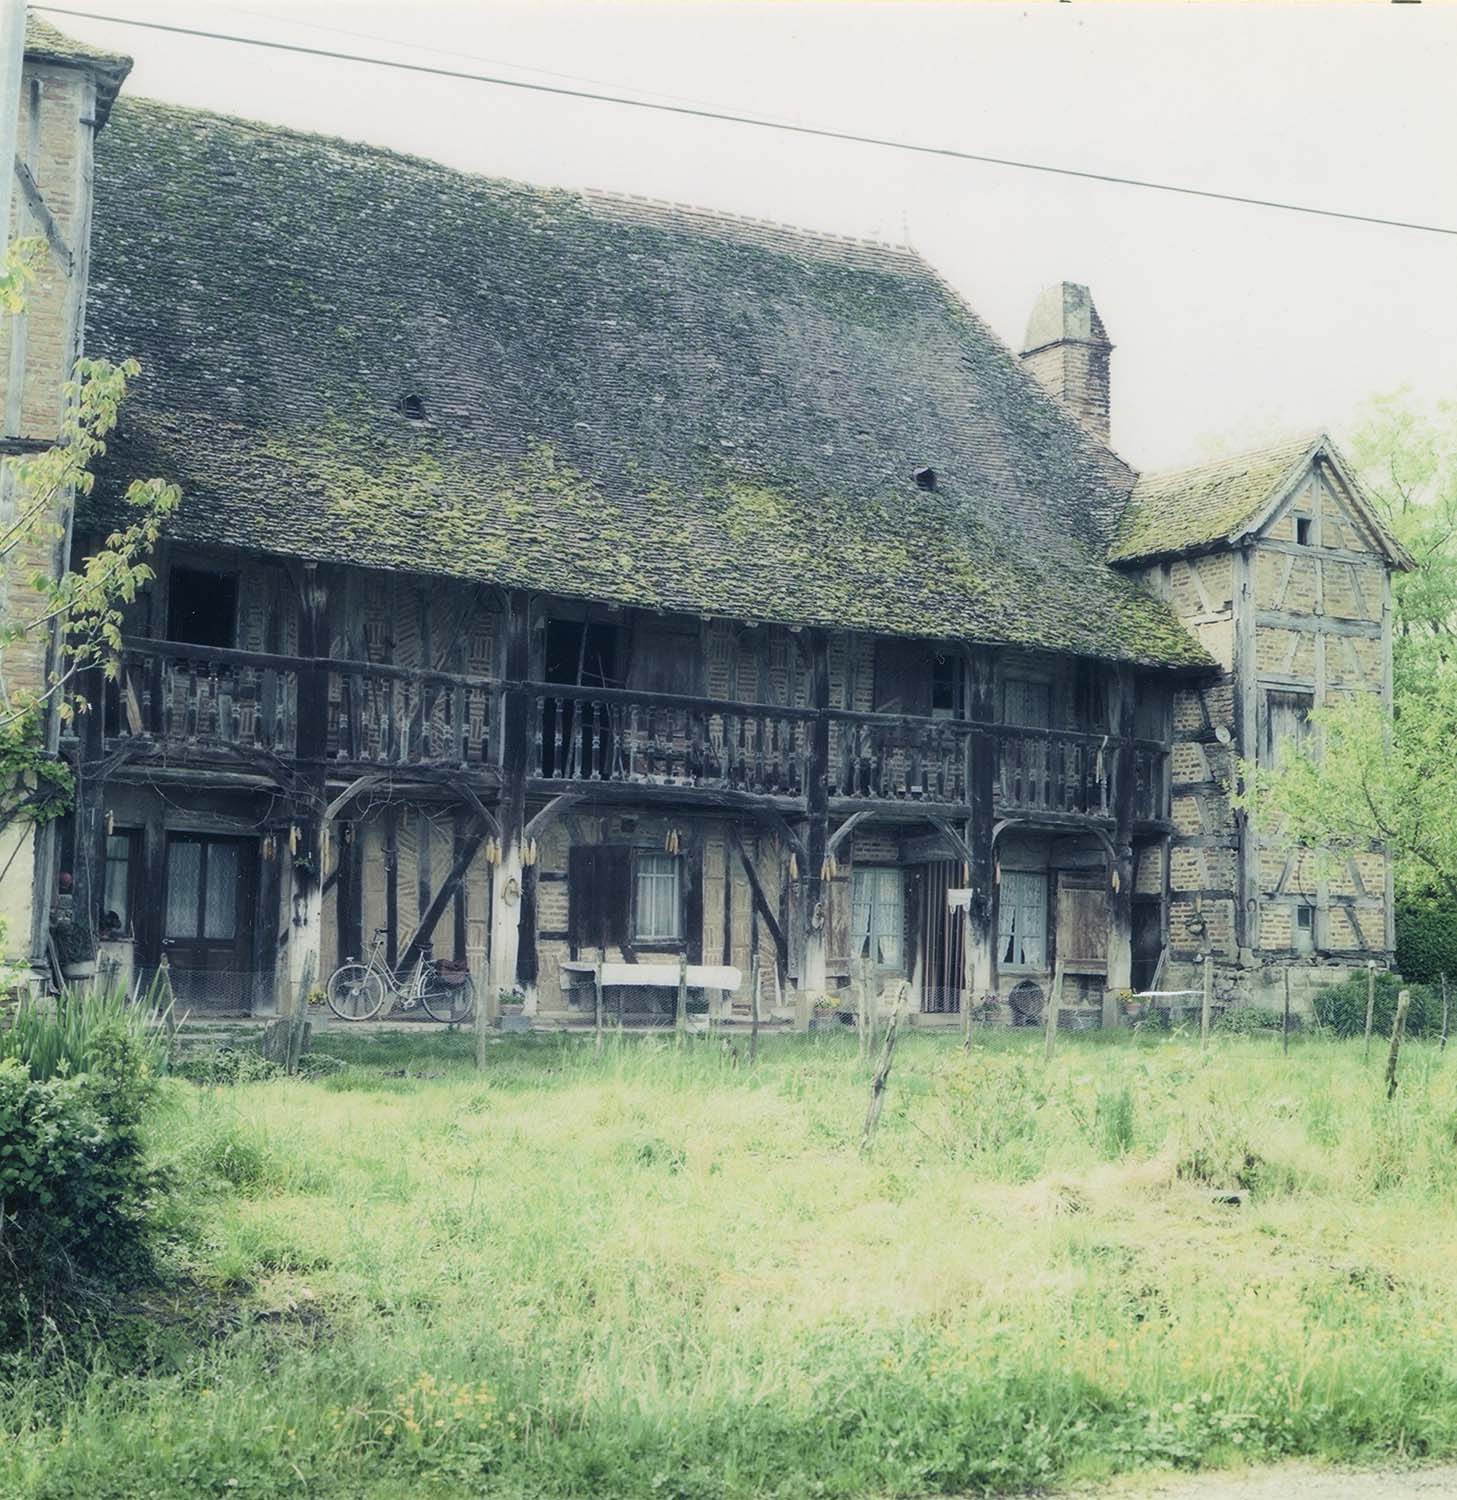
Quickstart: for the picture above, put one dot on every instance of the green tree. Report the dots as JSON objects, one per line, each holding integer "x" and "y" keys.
{"x": 79, "y": 607}
{"x": 1365, "y": 780}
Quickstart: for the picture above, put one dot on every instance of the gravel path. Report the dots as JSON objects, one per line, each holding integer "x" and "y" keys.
{"x": 1296, "y": 1482}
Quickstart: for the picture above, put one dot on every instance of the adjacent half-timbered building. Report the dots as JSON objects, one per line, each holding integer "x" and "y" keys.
{"x": 565, "y": 578}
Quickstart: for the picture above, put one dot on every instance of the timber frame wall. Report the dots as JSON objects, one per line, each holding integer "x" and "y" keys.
{"x": 391, "y": 747}
{"x": 1297, "y": 613}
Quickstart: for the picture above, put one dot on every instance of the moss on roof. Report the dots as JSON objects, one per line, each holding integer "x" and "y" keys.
{"x": 45, "y": 43}
{"x": 623, "y": 400}
{"x": 1188, "y": 509}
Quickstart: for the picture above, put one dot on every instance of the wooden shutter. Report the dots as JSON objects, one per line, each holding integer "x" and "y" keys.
{"x": 599, "y": 897}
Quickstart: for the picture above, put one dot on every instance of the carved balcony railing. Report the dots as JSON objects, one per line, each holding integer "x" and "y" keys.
{"x": 608, "y": 734}
{"x": 201, "y": 699}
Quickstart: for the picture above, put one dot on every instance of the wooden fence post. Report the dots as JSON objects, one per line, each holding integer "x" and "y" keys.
{"x": 680, "y": 1021}
{"x": 862, "y": 1020}
{"x": 1398, "y": 1028}
{"x": 597, "y": 1006}
{"x": 756, "y": 978}
{"x": 1049, "y": 1019}
{"x": 882, "y": 1071}
{"x": 1285, "y": 1029}
{"x": 1207, "y": 1006}
{"x": 1370, "y": 1004}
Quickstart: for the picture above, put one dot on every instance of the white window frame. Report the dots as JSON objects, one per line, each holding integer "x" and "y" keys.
{"x": 657, "y": 873}
{"x": 1022, "y": 907}
{"x": 878, "y": 915}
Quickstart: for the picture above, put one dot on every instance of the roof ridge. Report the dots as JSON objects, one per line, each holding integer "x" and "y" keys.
{"x": 590, "y": 197}
{"x": 1294, "y": 445}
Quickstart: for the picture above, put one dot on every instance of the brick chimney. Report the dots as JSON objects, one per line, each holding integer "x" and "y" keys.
{"x": 1067, "y": 349}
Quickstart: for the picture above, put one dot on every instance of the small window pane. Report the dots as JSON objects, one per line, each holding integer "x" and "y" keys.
{"x": 877, "y": 916}
{"x": 116, "y": 915}
{"x": 1022, "y": 918}
{"x": 656, "y": 898}
{"x": 184, "y": 873}
{"x": 220, "y": 920}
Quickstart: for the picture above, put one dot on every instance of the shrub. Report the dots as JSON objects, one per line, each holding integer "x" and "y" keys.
{"x": 1426, "y": 939}
{"x": 1251, "y": 1019}
{"x": 75, "y": 1188}
{"x": 320, "y": 1065}
{"x": 1342, "y": 1007}
{"x": 227, "y": 1066}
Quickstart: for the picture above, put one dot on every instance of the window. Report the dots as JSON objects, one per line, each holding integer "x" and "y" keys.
{"x": 878, "y": 916}
{"x": 120, "y": 862}
{"x": 1302, "y": 531}
{"x": 945, "y": 686}
{"x": 1022, "y": 919}
{"x": 202, "y": 607}
{"x": 1305, "y": 928}
{"x": 202, "y": 888}
{"x": 1287, "y": 723}
{"x": 657, "y": 909}
{"x": 1027, "y": 703}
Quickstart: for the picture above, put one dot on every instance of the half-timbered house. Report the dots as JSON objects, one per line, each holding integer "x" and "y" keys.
{"x": 564, "y": 578}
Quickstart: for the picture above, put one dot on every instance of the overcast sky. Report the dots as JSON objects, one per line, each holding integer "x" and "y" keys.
{"x": 1232, "y": 324}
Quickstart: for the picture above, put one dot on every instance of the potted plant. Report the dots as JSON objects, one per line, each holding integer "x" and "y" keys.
{"x": 75, "y": 951}
{"x": 822, "y": 1014}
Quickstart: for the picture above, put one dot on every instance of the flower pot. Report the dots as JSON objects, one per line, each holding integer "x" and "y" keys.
{"x": 82, "y": 969}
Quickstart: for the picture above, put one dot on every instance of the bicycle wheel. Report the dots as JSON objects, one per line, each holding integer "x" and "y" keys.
{"x": 451, "y": 1003}
{"x": 355, "y": 992}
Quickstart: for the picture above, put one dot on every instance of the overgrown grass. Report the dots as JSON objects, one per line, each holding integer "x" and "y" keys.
{"x": 662, "y": 1273}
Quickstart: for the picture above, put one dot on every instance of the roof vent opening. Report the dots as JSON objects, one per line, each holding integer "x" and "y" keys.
{"x": 412, "y": 407}
{"x": 925, "y": 478}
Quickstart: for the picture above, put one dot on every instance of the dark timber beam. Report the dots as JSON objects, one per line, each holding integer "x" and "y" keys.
{"x": 979, "y": 953}
{"x": 761, "y": 902}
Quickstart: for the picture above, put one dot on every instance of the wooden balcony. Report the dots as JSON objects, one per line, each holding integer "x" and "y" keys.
{"x": 199, "y": 705}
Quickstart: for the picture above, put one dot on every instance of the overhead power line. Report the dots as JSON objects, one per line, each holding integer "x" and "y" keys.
{"x": 726, "y": 117}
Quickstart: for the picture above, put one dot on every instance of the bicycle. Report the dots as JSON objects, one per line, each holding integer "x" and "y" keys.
{"x": 358, "y": 991}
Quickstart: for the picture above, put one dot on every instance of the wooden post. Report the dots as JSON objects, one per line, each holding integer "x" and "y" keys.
{"x": 1446, "y": 1012}
{"x": 1124, "y": 719}
{"x": 1207, "y": 1008}
{"x": 1049, "y": 1019}
{"x": 756, "y": 978}
{"x": 882, "y": 1071}
{"x": 1285, "y": 1028}
{"x": 306, "y": 835}
{"x": 1370, "y": 1005}
{"x": 979, "y": 949}
{"x": 506, "y": 893}
{"x": 680, "y": 1020}
{"x": 1398, "y": 1030}
{"x": 597, "y": 1006}
{"x": 814, "y": 887}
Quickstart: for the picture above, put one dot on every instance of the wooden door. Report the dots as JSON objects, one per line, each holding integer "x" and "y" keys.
{"x": 207, "y": 927}
{"x": 1082, "y": 924}
{"x": 943, "y": 939}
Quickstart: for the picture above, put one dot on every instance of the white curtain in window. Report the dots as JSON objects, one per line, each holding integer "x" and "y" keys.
{"x": 656, "y": 898}
{"x": 1022, "y": 918}
{"x": 877, "y": 917}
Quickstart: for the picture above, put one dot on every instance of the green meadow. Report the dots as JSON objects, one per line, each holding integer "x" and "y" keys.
{"x": 663, "y": 1272}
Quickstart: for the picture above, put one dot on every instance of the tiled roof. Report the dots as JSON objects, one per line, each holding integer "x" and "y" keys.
{"x": 1188, "y": 509}
{"x": 623, "y": 400}
{"x": 44, "y": 43}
